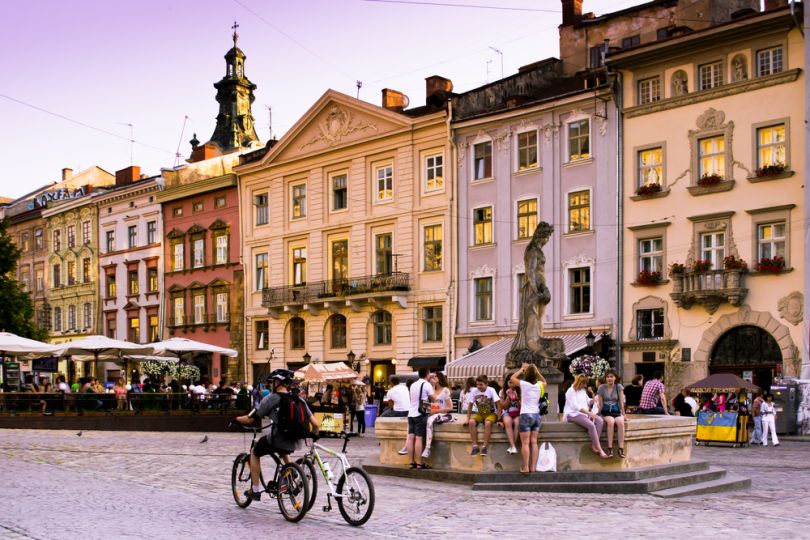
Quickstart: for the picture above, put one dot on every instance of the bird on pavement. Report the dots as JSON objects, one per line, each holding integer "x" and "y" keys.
{"x": 79, "y": 434}
{"x": 204, "y": 440}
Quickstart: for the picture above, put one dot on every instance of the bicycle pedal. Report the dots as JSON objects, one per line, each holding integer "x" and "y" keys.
{"x": 327, "y": 508}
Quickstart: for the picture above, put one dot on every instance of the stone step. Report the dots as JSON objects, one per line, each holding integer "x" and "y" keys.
{"x": 594, "y": 476}
{"x": 729, "y": 482}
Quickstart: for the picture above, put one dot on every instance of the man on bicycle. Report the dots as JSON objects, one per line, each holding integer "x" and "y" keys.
{"x": 274, "y": 441}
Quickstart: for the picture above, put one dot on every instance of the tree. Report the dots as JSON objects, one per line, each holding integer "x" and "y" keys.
{"x": 16, "y": 307}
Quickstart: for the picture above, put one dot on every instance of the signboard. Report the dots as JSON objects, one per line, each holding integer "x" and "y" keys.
{"x": 58, "y": 195}
{"x": 748, "y": 376}
{"x": 44, "y": 364}
{"x": 331, "y": 422}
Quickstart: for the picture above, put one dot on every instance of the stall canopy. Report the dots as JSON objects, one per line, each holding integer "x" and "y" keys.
{"x": 721, "y": 382}
{"x": 331, "y": 372}
{"x": 426, "y": 361}
{"x": 14, "y": 345}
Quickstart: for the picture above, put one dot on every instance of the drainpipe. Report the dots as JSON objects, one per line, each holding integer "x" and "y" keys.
{"x": 452, "y": 211}
{"x": 242, "y": 226}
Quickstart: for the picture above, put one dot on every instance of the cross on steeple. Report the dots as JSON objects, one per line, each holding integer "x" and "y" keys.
{"x": 235, "y": 35}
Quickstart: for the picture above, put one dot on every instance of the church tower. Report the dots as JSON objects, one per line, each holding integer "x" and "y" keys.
{"x": 235, "y": 95}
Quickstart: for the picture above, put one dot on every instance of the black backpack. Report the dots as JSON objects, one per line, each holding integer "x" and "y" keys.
{"x": 292, "y": 417}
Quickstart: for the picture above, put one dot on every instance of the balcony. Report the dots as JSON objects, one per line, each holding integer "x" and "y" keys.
{"x": 333, "y": 295}
{"x": 709, "y": 289}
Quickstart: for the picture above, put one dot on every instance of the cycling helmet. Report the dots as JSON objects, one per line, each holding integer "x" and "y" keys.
{"x": 282, "y": 375}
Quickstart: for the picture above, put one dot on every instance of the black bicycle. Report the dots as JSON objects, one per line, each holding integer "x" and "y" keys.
{"x": 289, "y": 485}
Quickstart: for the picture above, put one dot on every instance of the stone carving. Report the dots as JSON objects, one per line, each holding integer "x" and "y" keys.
{"x": 483, "y": 271}
{"x": 337, "y": 124}
{"x": 739, "y": 69}
{"x": 680, "y": 83}
{"x": 602, "y": 124}
{"x": 710, "y": 119}
{"x": 549, "y": 130}
{"x": 462, "y": 152}
{"x": 502, "y": 140}
{"x": 791, "y": 307}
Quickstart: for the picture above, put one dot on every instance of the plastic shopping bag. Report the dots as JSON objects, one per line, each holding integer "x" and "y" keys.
{"x": 547, "y": 458}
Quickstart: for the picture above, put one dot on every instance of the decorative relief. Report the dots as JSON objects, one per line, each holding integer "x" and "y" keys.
{"x": 791, "y": 307}
{"x": 337, "y": 125}
{"x": 602, "y": 124}
{"x": 549, "y": 130}
{"x": 710, "y": 119}
{"x": 739, "y": 69}
{"x": 519, "y": 269}
{"x": 502, "y": 140}
{"x": 483, "y": 271}
{"x": 578, "y": 260}
{"x": 462, "y": 152}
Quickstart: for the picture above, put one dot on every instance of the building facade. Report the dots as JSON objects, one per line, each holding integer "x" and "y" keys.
{"x": 714, "y": 250}
{"x": 347, "y": 233}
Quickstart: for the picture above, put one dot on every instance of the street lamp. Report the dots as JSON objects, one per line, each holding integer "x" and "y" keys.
{"x": 350, "y": 356}
{"x": 307, "y": 357}
{"x": 590, "y": 339}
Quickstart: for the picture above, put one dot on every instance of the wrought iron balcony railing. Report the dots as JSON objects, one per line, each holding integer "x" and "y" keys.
{"x": 323, "y": 290}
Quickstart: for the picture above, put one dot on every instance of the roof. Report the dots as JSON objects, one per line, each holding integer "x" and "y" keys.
{"x": 627, "y": 11}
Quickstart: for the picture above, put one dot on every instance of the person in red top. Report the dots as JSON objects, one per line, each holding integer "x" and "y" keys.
{"x": 653, "y": 397}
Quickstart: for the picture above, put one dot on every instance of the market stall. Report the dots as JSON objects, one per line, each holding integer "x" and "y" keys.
{"x": 328, "y": 389}
{"x": 723, "y": 416}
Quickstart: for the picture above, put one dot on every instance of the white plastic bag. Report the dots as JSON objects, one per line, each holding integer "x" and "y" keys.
{"x": 547, "y": 458}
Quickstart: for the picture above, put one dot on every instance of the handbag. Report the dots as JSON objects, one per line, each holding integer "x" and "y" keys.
{"x": 543, "y": 405}
{"x": 609, "y": 409}
{"x": 547, "y": 458}
{"x": 424, "y": 404}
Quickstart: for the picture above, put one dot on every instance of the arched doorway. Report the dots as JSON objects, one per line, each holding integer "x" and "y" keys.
{"x": 747, "y": 348}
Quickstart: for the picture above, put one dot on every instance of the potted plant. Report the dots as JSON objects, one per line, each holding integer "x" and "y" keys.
{"x": 648, "y": 189}
{"x": 709, "y": 180}
{"x": 700, "y": 266}
{"x": 771, "y": 170}
{"x": 676, "y": 269}
{"x": 647, "y": 278}
{"x": 772, "y": 265}
{"x": 592, "y": 366}
{"x": 733, "y": 263}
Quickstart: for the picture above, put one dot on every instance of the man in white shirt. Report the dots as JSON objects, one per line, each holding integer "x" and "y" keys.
{"x": 481, "y": 403}
{"x": 398, "y": 399}
{"x": 417, "y": 422}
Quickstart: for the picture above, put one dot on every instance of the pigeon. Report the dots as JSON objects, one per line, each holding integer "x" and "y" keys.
{"x": 79, "y": 434}
{"x": 204, "y": 439}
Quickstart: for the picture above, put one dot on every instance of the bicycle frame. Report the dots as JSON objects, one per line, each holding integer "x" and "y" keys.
{"x": 344, "y": 465}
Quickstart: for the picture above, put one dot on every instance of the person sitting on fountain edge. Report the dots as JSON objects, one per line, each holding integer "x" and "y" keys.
{"x": 481, "y": 410}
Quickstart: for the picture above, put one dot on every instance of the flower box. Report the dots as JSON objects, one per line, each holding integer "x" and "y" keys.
{"x": 709, "y": 180}
{"x": 771, "y": 170}
{"x": 648, "y": 189}
{"x": 772, "y": 265}
{"x": 701, "y": 266}
{"x": 676, "y": 269}
{"x": 647, "y": 278}
{"x": 733, "y": 263}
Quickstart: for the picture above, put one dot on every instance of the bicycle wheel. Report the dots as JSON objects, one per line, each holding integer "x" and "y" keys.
{"x": 355, "y": 496}
{"x": 293, "y": 492}
{"x": 240, "y": 480}
{"x": 310, "y": 473}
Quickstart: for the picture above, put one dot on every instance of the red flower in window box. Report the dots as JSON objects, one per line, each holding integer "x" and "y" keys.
{"x": 733, "y": 263}
{"x": 648, "y": 189}
{"x": 701, "y": 266}
{"x": 709, "y": 180}
{"x": 771, "y": 170}
{"x": 773, "y": 265}
{"x": 647, "y": 278}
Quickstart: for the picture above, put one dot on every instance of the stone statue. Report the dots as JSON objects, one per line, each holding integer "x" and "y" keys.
{"x": 679, "y": 86}
{"x": 739, "y": 69}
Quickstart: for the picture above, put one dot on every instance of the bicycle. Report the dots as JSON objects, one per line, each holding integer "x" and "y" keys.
{"x": 353, "y": 490}
{"x": 289, "y": 485}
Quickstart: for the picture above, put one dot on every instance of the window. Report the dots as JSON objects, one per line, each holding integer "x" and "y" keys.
{"x": 526, "y": 218}
{"x": 198, "y": 252}
{"x": 432, "y": 323}
{"x": 340, "y": 192}
{"x": 110, "y": 240}
{"x": 110, "y": 285}
{"x": 649, "y": 90}
{"x": 260, "y": 202}
{"x": 85, "y": 233}
{"x": 87, "y": 316}
{"x": 337, "y": 332}
{"x": 151, "y": 232}
{"x": 111, "y": 327}
{"x": 650, "y": 324}
{"x": 580, "y": 290}
{"x": 199, "y": 308}
{"x": 222, "y": 306}
{"x": 382, "y": 328}
{"x": 710, "y": 75}
{"x": 57, "y": 319}
{"x": 132, "y": 282}
{"x": 221, "y": 242}
{"x": 711, "y": 156}
{"x": 433, "y": 248}
{"x": 383, "y": 254}
{"x": 771, "y": 146}
{"x": 385, "y": 183}
{"x": 179, "y": 311}
{"x": 595, "y": 56}
{"x": 631, "y": 41}
{"x": 434, "y": 173}
{"x": 340, "y": 260}
{"x": 527, "y": 150}
{"x": 132, "y": 236}
{"x": 663, "y": 33}
{"x": 482, "y": 225}
{"x": 769, "y": 61}
{"x": 197, "y": 207}
{"x": 24, "y": 242}
{"x": 39, "y": 276}
{"x": 38, "y": 244}
{"x": 299, "y": 266}
{"x": 650, "y": 166}
{"x": 71, "y": 272}
{"x": 651, "y": 255}
{"x": 57, "y": 240}
{"x": 152, "y": 278}
{"x": 262, "y": 339}
{"x": 713, "y": 249}
{"x": 579, "y": 211}
{"x": 299, "y": 201}
{"x": 71, "y": 236}
{"x": 178, "y": 256}
{"x": 483, "y": 299}
{"x": 154, "y": 331}
{"x": 86, "y": 270}
{"x": 220, "y": 202}
{"x": 579, "y": 140}
{"x": 25, "y": 280}
{"x": 482, "y": 160}
{"x": 770, "y": 240}
{"x": 261, "y": 271}
{"x": 57, "y": 275}
{"x": 177, "y": 211}
{"x": 71, "y": 317}
{"x": 297, "y": 330}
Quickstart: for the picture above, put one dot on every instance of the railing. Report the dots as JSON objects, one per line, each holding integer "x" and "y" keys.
{"x": 321, "y": 290}
{"x": 29, "y": 402}
{"x": 709, "y": 288}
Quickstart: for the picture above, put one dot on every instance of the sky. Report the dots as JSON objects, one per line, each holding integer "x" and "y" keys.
{"x": 77, "y": 73}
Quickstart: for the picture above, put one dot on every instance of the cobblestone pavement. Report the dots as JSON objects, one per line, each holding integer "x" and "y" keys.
{"x": 169, "y": 485}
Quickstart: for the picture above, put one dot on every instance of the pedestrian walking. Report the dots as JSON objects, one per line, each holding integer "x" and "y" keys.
{"x": 578, "y": 411}
{"x": 532, "y": 389}
{"x": 756, "y": 411}
{"x": 610, "y": 402}
{"x": 768, "y": 411}
{"x": 359, "y": 411}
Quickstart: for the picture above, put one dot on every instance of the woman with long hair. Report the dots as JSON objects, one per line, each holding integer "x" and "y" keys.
{"x": 509, "y": 412}
{"x": 440, "y": 408}
{"x": 532, "y": 388}
{"x": 578, "y": 411}
{"x": 610, "y": 402}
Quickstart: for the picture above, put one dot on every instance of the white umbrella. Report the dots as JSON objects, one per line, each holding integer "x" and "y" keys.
{"x": 180, "y": 346}
{"x": 140, "y": 358}
{"x": 102, "y": 346}
{"x": 14, "y": 345}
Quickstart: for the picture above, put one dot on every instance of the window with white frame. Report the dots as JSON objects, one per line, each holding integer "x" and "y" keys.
{"x": 434, "y": 173}
{"x": 262, "y": 275}
{"x": 482, "y": 160}
{"x": 579, "y": 285}
{"x": 482, "y": 225}
{"x": 711, "y": 156}
{"x": 432, "y": 244}
{"x": 432, "y": 323}
{"x": 260, "y": 203}
{"x": 178, "y": 256}
{"x": 340, "y": 192}
{"x": 770, "y": 240}
{"x": 262, "y": 328}
{"x": 527, "y": 150}
{"x": 483, "y": 298}
{"x": 384, "y": 178}
{"x": 579, "y": 211}
{"x": 299, "y": 201}
{"x": 770, "y": 61}
{"x": 651, "y": 254}
{"x": 710, "y": 75}
{"x": 299, "y": 265}
{"x": 199, "y": 308}
{"x": 222, "y": 306}
{"x": 650, "y": 166}
{"x": 649, "y": 90}
{"x": 713, "y": 248}
{"x": 649, "y": 324}
{"x": 221, "y": 242}
{"x": 179, "y": 311}
{"x": 198, "y": 252}
{"x": 579, "y": 139}
{"x": 771, "y": 149}
{"x": 526, "y": 218}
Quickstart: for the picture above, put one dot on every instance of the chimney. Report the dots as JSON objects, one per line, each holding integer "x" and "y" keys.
{"x": 571, "y": 12}
{"x": 67, "y": 174}
{"x": 203, "y": 152}
{"x": 127, "y": 175}
{"x": 436, "y": 83}
{"x": 775, "y": 4}
{"x": 394, "y": 100}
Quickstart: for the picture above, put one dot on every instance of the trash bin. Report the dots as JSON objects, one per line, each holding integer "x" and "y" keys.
{"x": 371, "y": 415}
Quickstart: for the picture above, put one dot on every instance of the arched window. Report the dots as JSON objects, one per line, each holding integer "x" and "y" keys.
{"x": 382, "y": 327}
{"x": 337, "y": 332}
{"x": 297, "y": 333}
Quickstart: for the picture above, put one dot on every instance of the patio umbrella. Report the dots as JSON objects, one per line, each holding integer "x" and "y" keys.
{"x": 14, "y": 345}
{"x": 181, "y": 346}
{"x": 102, "y": 346}
{"x": 721, "y": 382}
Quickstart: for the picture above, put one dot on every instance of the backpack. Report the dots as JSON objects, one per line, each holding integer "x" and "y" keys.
{"x": 292, "y": 417}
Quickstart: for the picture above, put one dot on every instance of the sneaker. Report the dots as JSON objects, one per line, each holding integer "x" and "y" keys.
{"x": 512, "y": 450}
{"x": 483, "y": 450}
{"x": 253, "y": 495}
{"x": 403, "y": 452}
{"x": 474, "y": 451}
{"x": 426, "y": 453}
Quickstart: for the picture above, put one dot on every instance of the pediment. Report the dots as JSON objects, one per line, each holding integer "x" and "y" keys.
{"x": 336, "y": 120}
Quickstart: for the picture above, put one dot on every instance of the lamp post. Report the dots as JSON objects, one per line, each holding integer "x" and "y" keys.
{"x": 350, "y": 356}
{"x": 307, "y": 357}
{"x": 590, "y": 339}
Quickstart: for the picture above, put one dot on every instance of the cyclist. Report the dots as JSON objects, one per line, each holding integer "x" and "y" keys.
{"x": 273, "y": 442}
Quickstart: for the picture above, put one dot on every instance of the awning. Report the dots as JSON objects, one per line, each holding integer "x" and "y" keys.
{"x": 333, "y": 371}
{"x": 576, "y": 342}
{"x": 427, "y": 361}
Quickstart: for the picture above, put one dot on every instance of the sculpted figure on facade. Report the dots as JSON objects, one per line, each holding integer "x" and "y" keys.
{"x": 679, "y": 84}
{"x": 739, "y": 69}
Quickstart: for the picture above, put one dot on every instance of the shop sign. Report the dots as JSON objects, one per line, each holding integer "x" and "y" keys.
{"x": 63, "y": 194}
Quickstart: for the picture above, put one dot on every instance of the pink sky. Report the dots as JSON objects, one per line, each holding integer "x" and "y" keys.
{"x": 150, "y": 63}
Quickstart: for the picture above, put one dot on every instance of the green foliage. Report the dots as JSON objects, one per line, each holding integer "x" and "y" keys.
{"x": 16, "y": 307}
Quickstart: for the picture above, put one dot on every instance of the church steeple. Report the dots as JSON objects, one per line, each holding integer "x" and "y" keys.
{"x": 235, "y": 95}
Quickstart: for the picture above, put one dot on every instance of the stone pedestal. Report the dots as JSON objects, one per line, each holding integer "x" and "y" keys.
{"x": 554, "y": 377}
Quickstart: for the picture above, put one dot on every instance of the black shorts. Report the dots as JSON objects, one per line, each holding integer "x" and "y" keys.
{"x": 417, "y": 425}
{"x": 265, "y": 447}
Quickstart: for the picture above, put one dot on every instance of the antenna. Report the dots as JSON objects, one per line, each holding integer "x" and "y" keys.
{"x": 177, "y": 152}
{"x": 359, "y": 85}
{"x": 270, "y": 119}
{"x": 131, "y": 141}
{"x": 500, "y": 53}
